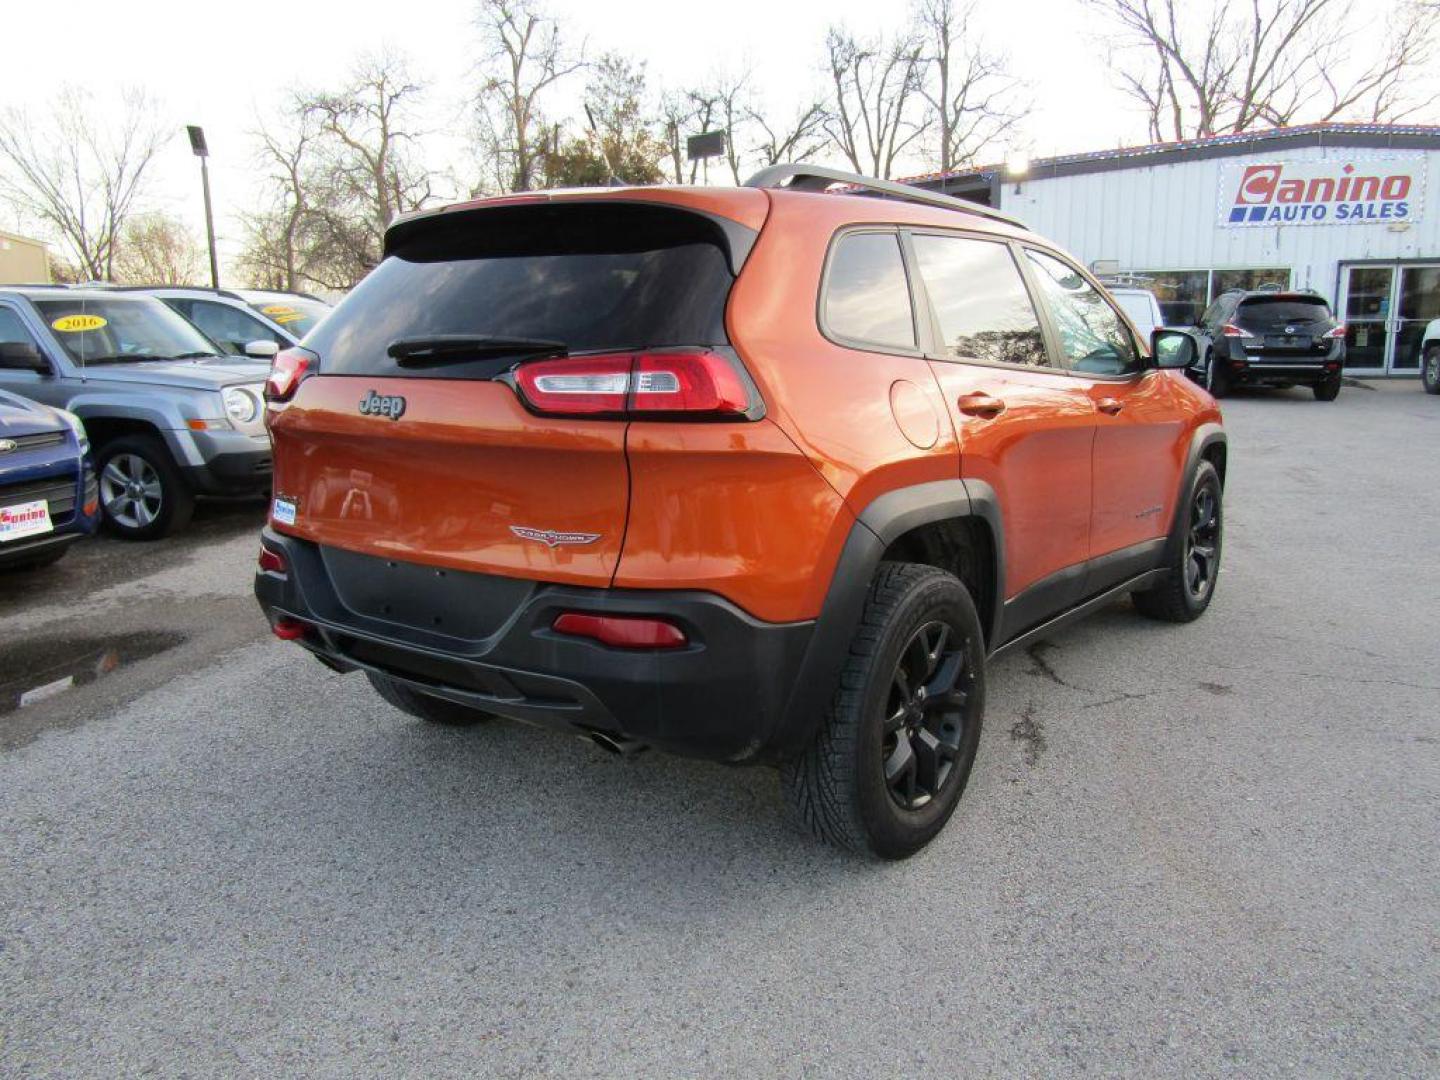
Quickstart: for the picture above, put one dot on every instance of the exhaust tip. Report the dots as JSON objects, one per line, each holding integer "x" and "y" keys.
{"x": 618, "y": 745}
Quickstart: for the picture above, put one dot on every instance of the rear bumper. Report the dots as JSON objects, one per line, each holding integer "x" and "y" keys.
{"x": 1278, "y": 366}
{"x": 723, "y": 697}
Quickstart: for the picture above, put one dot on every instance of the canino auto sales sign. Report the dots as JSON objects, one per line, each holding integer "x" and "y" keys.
{"x": 1362, "y": 192}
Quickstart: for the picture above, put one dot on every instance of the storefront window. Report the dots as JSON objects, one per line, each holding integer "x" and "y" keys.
{"x": 1225, "y": 280}
{"x": 1182, "y": 293}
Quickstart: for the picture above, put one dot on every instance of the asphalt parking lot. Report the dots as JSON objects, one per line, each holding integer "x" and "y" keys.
{"x": 1203, "y": 850}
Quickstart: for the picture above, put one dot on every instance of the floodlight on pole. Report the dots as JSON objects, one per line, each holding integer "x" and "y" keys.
{"x": 202, "y": 151}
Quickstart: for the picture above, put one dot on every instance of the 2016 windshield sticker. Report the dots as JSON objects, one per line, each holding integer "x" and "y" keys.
{"x": 76, "y": 324}
{"x": 281, "y": 313}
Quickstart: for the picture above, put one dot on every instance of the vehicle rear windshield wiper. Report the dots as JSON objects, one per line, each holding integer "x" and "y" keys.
{"x": 195, "y": 355}
{"x": 444, "y": 348}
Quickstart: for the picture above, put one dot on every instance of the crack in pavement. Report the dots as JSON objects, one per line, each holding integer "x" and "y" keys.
{"x": 1030, "y": 733}
{"x": 1043, "y": 668}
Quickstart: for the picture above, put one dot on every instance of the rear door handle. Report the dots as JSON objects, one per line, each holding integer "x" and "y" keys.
{"x": 980, "y": 404}
{"x": 1109, "y": 406}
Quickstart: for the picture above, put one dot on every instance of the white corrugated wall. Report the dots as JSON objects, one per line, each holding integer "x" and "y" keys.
{"x": 1166, "y": 217}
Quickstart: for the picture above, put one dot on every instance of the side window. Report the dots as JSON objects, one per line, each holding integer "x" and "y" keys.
{"x": 1093, "y": 337}
{"x": 231, "y": 328}
{"x": 867, "y": 296}
{"x": 12, "y": 330}
{"x": 980, "y": 300}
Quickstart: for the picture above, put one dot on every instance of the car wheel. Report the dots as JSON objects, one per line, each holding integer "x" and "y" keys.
{"x": 894, "y": 750}
{"x": 142, "y": 494}
{"x": 423, "y": 706}
{"x": 1328, "y": 390}
{"x": 1189, "y": 587}
{"x": 1217, "y": 379}
{"x": 1430, "y": 369}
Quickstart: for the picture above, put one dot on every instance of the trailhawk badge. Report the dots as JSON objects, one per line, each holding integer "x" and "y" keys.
{"x": 551, "y": 538}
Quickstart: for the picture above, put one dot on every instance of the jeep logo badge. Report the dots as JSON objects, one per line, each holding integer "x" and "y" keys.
{"x": 390, "y": 406}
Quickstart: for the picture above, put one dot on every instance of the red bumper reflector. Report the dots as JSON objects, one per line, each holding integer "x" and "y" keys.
{"x": 1238, "y": 365}
{"x": 289, "y": 629}
{"x": 272, "y": 561}
{"x": 622, "y": 631}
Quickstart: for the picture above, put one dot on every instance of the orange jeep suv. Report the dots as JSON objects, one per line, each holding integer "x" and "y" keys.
{"x": 759, "y": 474}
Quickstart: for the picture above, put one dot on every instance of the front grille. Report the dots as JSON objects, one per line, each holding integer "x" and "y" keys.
{"x": 58, "y": 492}
{"x": 36, "y": 442}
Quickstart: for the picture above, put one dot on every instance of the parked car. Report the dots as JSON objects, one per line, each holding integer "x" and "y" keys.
{"x": 1271, "y": 338}
{"x": 48, "y": 495}
{"x": 245, "y": 322}
{"x": 750, "y": 474}
{"x": 1142, "y": 307}
{"x": 1430, "y": 357}
{"x": 170, "y": 416}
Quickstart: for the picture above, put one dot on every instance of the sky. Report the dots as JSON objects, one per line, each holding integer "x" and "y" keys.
{"x": 229, "y": 66}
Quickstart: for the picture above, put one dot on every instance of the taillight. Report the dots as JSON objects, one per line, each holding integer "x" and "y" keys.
{"x": 1336, "y": 332}
{"x": 687, "y": 383}
{"x": 1231, "y": 330}
{"x": 622, "y": 631}
{"x": 272, "y": 561}
{"x": 287, "y": 371}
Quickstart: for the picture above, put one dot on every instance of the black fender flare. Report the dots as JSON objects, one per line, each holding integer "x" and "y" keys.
{"x": 880, "y": 524}
{"x": 1204, "y": 436}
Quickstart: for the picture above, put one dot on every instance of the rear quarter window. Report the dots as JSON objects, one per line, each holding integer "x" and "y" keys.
{"x": 866, "y": 295}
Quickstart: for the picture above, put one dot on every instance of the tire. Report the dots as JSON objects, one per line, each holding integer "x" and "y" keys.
{"x": 919, "y": 626}
{"x": 1430, "y": 369}
{"x": 424, "y": 707}
{"x": 1328, "y": 390}
{"x": 142, "y": 494}
{"x": 1217, "y": 379}
{"x": 1177, "y": 599}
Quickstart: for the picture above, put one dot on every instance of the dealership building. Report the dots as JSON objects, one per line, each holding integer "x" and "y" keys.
{"x": 1349, "y": 210}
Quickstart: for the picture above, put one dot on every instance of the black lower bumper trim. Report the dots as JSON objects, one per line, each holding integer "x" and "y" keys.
{"x": 722, "y": 697}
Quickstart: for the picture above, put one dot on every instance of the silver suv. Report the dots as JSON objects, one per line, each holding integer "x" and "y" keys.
{"x": 170, "y": 416}
{"x": 246, "y": 322}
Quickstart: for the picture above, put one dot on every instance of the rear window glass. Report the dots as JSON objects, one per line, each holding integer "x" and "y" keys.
{"x": 867, "y": 296}
{"x": 1267, "y": 311}
{"x": 981, "y": 301}
{"x": 593, "y": 276}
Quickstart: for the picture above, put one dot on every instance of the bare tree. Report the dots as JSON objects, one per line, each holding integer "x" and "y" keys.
{"x": 799, "y": 140}
{"x": 973, "y": 100}
{"x": 158, "y": 249}
{"x": 620, "y": 128}
{"x": 276, "y": 252}
{"x": 77, "y": 175}
{"x": 369, "y": 147}
{"x": 875, "y": 89}
{"x": 525, "y": 56}
{"x": 1232, "y": 65}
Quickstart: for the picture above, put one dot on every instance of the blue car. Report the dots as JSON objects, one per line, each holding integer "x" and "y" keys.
{"x": 48, "y": 494}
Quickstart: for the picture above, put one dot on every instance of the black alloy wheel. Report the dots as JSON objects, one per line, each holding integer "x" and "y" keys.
{"x": 1202, "y": 544}
{"x": 925, "y": 716}
{"x": 1193, "y": 556}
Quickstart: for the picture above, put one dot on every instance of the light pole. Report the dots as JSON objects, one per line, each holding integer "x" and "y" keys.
{"x": 198, "y": 147}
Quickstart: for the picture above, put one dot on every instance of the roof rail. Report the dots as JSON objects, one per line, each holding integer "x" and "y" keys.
{"x": 819, "y": 178}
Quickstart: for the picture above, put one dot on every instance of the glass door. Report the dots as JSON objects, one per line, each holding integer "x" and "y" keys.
{"x": 1418, "y": 302}
{"x": 1366, "y": 309}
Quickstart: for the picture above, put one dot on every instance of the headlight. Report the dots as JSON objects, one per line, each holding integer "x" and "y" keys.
{"x": 241, "y": 405}
{"x": 77, "y": 427}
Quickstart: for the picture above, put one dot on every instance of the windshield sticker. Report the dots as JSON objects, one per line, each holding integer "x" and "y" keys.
{"x": 76, "y": 324}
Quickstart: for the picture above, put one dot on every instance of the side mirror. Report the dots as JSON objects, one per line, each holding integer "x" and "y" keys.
{"x": 22, "y": 356}
{"x": 1174, "y": 349}
{"x": 262, "y": 350}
